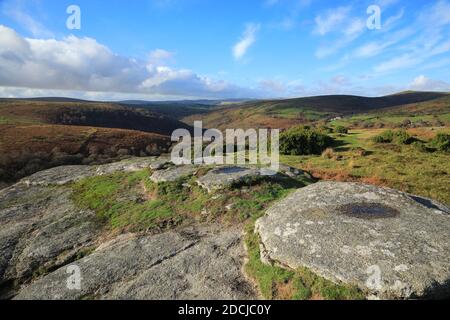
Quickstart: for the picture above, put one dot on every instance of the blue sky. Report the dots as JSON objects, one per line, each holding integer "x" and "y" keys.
{"x": 177, "y": 49}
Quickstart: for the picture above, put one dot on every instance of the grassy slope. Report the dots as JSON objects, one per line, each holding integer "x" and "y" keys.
{"x": 429, "y": 111}
{"x": 400, "y": 167}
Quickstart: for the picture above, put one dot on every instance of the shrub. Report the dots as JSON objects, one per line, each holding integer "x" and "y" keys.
{"x": 341, "y": 130}
{"x": 399, "y": 137}
{"x": 441, "y": 142}
{"x": 403, "y": 137}
{"x": 303, "y": 140}
{"x": 385, "y": 137}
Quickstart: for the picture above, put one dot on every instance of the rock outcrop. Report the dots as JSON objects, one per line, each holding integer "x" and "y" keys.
{"x": 224, "y": 177}
{"x": 187, "y": 264}
{"x": 388, "y": 243}
{"x": 173, "y": 173}
{"x": 42, "y": 233}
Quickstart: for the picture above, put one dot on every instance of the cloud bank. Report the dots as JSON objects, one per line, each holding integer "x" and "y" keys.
{"x": 83, "y": 64}
{"x": 247, "y": 40}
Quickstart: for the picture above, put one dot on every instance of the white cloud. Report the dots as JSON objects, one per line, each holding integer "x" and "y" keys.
{"x": 83, "y": 64}
{"x": 247, "y": 40}
{"x": 332, "y": 20}
{"x": 355, "y": 27}
{"x": 430, "y": 40}
{"x": 17, "y": 12}
{"x": 422, "y": 83}
{"x": 403, "y": 61}
{"x": 392, "y": 20}
{"x": 338, "y": 21}
{"x": 161, "y": 56}
{"x": 437, "y": 15}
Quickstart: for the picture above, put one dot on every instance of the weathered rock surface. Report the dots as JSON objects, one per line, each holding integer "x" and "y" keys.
{"x": 189, "y": 264}
{"x": 42, "y": 232}
{"x": 224, "y": 177}
{"x": 67, "y": 174}
{"x": 173, "y": 173}
{"x": 390, "y": 244}
{"x": 40, "y": 229}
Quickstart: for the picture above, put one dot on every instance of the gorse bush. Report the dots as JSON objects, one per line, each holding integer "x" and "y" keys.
{"x": 441, "y": 142}
{"x": 385, "y": 137}
{"x": 389, "y": 136}
{"x": 403, "y": 137}
{"x": 341, "y": 130}
{"x": 304, "y": 140}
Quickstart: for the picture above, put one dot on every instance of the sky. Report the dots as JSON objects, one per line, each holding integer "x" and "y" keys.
{"x": 222, "y": 49}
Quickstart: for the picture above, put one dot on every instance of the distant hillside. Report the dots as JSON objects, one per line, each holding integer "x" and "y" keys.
{"x": 44, "y": 99}
{"x": 37, "y": 134}
{"x": 204, "y": 102}
{"x": 93, "y": 114}
{"x": 431, "y": 113}
{"x": 181, "y": 109}
{"x": 289, "y": 112}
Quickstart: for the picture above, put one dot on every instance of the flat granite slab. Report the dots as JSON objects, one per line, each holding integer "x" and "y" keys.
{"x": 388, "y": 243}
{"x": 224, "y": 177}
{"x": 173, "y": 173}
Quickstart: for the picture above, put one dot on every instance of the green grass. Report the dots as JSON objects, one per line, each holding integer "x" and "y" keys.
{"x": 402, "y": 167}
{"x": 132, "y": 201}
{"x": 18, "y": 120}
{"x": 392, "y": 119}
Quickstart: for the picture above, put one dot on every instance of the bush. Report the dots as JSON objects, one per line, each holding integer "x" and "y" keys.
{"x": 403, "y": 137}
{"x": 442, "y": 142}
{"x": 385, "y": 137}
{"x": 399, "y": 137}
{"x": 303, "y": 140}
{"x": 341, "y": 130}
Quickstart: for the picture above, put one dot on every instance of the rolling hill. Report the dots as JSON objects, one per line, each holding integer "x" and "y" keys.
{"x": 289, "y": 112}
{"x": 181, "y": 109}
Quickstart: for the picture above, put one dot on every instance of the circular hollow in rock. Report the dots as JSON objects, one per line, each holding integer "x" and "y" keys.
{"x": 368, "y": 211}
